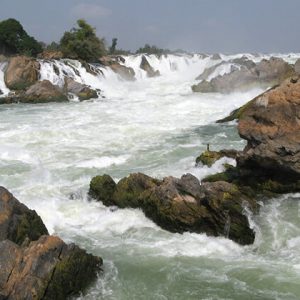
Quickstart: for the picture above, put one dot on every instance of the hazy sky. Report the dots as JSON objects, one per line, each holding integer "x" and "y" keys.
{"x": 228, "y": 26}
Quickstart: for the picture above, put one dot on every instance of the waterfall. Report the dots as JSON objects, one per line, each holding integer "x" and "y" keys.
{"x": 4, "y": 90}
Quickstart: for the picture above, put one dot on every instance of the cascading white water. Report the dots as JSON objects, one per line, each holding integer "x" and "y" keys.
{"x": 49, "y": 153}
{"x": 3, "y": 87}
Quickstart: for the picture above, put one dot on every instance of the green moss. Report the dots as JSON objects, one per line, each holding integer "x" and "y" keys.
{"x": 31, "y": 226}
{"x": 208, "y": 158}
{"x": 72, "y": 274}
{"x": 87, "y": 94}
{"x": 224, "y": 176}
{"x": 102, "y": 188}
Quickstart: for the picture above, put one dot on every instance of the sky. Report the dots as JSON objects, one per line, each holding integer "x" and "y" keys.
{"x": 211, "y": 26}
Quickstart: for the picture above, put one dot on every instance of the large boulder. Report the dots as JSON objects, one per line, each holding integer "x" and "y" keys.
{"x": 180, "y": 205}
{"x": 41, "y": 92}
{"x": 266, "y": 73}
{"x": 17, "y": 222}
{"x": 145, "y": 65}
{"x": 270, "y": 124}
{"x": 208, "y": 157}
{"x": 82, "y": 91}
{"x": 21, "y": 72}
{"x": 35, "y": 265}
{"x": 45, "y": 269}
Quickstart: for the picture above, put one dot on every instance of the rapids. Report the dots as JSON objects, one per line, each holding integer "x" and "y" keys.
{"x": 49, "y": 153}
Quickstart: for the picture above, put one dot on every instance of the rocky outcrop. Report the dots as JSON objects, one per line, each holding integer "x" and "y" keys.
{"x": 21, "y": 72}
{"x": 35, "y": 265}
{"x": 181, "y": 205}
{"x": 82, "y": 91}
{"x": 17, "y": 222}
{"x": 265, "y": 74}
{"x": 271, "y": 126}
{"x": 208, "y": 157}
{"x": 113, "y": 62}
{"x": 45, "y": 269}
{"x": 145, "y": 65}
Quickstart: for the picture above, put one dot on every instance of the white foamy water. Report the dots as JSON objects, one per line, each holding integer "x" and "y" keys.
{"x": 49, "y": 153}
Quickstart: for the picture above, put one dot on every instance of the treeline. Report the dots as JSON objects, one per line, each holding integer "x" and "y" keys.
{"x": 80, "y": 42}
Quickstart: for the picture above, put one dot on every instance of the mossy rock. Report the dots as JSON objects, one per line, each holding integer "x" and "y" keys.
{"x": 208, "y": 158}
{"x": 102, "y": 188}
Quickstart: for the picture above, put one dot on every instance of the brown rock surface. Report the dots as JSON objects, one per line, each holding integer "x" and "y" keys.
{"x": 271, "y": 126}
{"x": 17, "y": 222}
{"x": 180, "y": 205}
{"x": 46, "y": 269}
{"x": 21, "y": 72}
{"x": 145, "y": 65}
{"x": 83, "y": 91}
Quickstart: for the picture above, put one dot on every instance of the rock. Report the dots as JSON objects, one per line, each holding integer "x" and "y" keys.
{"x": 113, "y": 62}
{"x": 46, "y": 269}
{"x": 35, "y": 265}
{"x": 271, "y": 126}
{"x": 145, "y": 65}
{"x": 21, "y": 72}
{"x": 216, "y": 56}
{"x": 180, "y": 205}
{"x": 51, "y": 54}
{"x": 208, "y": 158}
{"x": 17, "y": 222}
{"x": 82, "y": 91}
{"x": 102, "y": 188}
{"x": 41, "y": 92}
{"x": 297, "y": 67}
{"x": 265, "y": 74}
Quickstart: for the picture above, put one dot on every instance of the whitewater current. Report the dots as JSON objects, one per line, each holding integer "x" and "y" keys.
{"x": 50, "y": 152}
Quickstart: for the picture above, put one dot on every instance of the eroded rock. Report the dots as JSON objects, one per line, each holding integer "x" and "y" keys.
{"x": 21, "y": 72}
{"x": 145, "y": 65}
{"x": 180, "y": 205}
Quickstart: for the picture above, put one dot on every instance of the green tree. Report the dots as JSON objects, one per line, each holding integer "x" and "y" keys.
{"x": 82, "y": 43}
{"x": 15, "y": 40}
{"x": 152, "y": 50}
{"x": 113, "y": 46}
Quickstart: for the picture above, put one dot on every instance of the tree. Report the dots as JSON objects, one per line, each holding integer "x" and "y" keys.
{"x": 113, "y": 46}
{"x": 15, "y": 40}
{"x": 82, "y": 43}
{"x": 152, "y": 50}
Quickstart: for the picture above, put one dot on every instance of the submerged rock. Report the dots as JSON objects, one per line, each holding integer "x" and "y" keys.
{"x": 145, "y": 65}
{"x": 180, "y": 205}
{"x": 21, "y": 72}
{"x": 208, "y": 158}
{"x": 35, "y": 265}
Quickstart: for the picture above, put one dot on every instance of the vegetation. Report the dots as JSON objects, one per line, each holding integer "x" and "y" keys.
{"x": 15, "y": 40}
{"x": 82, "y": 43}
{"x": 152, "y": 50}
{"x": 113, "y": 46}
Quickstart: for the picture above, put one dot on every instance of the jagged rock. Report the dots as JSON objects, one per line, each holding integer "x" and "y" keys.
{"x": 21, "y": 72}
{"x": 46, "y": 269}
{"x": 208, "y": 158}
{"x": 145, "y": 65}
{"x": 216, "y": 56}
{"x": 17, "y": 222}
{"x": 51, "y": 54}
{"x": 271, "y": 126}
{"x": 297, "y": 66}
{"x": 180, "y": 205}
{"x": 265, "y": 74}
{"x": 83, "y": 91}
{"x": 35, "y": 265}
